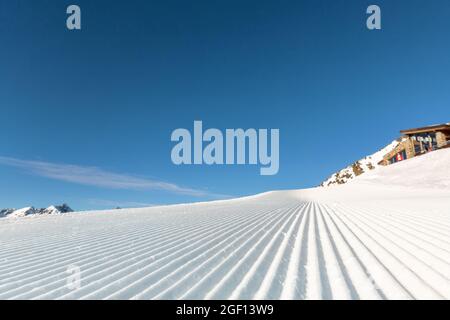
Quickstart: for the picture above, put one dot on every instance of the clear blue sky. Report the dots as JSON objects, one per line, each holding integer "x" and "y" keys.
{"x": 86, "y": 116}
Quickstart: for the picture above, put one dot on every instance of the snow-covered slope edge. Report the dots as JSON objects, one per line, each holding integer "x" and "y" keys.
{"x": 423, "y": 180}
{"x": 359, "y": 167}
{"x": 428, "y": 171}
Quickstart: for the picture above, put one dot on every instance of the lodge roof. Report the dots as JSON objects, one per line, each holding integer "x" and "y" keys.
{"x": 438, "y": 127}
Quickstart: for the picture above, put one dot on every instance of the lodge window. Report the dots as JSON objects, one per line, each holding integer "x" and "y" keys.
{"x": 398, "y": 157}
{"x": 424, "y": 142}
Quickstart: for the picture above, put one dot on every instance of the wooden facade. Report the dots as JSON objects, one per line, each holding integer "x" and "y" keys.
{"x": 417, "y": 141}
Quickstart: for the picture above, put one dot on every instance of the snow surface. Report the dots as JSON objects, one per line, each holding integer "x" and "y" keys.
{"x": 385, "y": 235}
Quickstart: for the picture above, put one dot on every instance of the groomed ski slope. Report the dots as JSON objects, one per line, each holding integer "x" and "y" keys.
{"x": 373, "y": 238}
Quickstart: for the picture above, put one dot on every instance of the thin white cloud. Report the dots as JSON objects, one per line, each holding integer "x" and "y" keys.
{"x": 97, "y": 177}
{"x": 121, "y": 204}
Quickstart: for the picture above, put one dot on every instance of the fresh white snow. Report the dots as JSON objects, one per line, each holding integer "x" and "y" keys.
{"x": 385, "y": 235}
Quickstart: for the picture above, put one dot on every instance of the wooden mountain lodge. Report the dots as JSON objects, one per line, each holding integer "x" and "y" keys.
{"x": 418, "y": 141}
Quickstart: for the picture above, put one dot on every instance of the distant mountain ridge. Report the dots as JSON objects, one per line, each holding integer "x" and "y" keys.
{"x": 32, "y": 211}
{"x": 359, "y": 167}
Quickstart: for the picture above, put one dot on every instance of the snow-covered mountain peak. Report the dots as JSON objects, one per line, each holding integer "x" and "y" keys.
{"x": 57, "y": 209}
{"x": 32, "y": 211}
